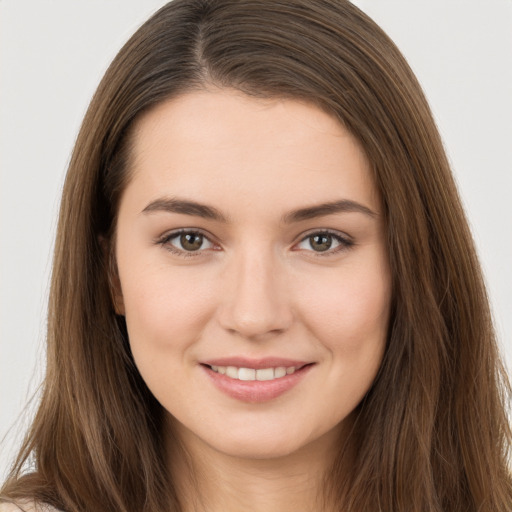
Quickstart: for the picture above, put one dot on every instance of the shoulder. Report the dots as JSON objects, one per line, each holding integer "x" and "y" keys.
{"x": 26, "y": 506}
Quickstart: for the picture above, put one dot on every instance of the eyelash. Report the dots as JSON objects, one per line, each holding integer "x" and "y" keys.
{"x": 344, "y": 242}
{"x": 165, "y": 242}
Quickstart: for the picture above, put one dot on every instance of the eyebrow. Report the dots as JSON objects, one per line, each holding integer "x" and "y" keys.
{"x": 175, "y": 205}
{"x": 330, "y": 208}
{"x": 186, "y": 207}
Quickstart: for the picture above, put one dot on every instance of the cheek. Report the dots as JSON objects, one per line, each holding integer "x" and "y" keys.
{"x": 165, "y": 308}
{"x": 346, "y": 311}
{"x": 349, "y": 310}
{"x": 349, "y": 316}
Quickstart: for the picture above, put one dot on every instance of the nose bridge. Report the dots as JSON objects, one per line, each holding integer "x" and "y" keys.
{"x": 255, "y": 302}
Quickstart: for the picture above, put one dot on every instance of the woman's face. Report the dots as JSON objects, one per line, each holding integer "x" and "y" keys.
{"x": 253, "y": 271}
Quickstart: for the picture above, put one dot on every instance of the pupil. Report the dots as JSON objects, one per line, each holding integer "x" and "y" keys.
{"x": 191, "y": 241}
{"x": 321, "y": 242}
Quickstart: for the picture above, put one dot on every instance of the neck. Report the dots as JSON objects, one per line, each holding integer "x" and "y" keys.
{"x": 212, "y": 481}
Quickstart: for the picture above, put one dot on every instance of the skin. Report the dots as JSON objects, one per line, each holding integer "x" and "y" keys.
{"x": 257, "y": 287}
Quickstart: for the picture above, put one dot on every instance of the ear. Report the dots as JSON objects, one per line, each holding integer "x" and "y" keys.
{"x": 114, "y": 283}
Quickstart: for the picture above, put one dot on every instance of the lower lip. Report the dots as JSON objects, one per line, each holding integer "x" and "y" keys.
{"x": 256, "y": 391}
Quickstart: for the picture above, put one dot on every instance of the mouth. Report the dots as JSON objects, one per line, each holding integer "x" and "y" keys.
{"x": 256, "y": 381}
{"x": 259, "y": 374}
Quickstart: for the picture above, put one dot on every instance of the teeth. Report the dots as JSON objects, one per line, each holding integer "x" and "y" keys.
{"x": 232, "y": 372}
{"x": 251, "y": 374}
{"x": 247, "y": 374}
{"x": 280, "y": 372}
{"x": 265, "y": 374}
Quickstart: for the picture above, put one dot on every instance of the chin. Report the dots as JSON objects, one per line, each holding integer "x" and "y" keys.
{"x": 257, "y": 442}
{"x": 258, "y": 449}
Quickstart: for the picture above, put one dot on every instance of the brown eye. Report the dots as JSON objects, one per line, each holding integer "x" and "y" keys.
{"x": 321, "y": 242}
{"x": 186, "y": 242}
{"x": 324, "y": 242}
{"x": 191, "y": 241}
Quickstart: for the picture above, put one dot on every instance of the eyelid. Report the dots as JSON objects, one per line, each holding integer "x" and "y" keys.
{"x": 345, "y": 241}
{"x": 164, "y": 240}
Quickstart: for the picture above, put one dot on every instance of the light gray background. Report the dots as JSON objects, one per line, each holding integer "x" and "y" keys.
{"x": 53, "y": 53}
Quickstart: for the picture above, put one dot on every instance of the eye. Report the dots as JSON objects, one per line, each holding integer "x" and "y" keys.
{"x": 186, "y": 242}
{"x": 324, "y": 242}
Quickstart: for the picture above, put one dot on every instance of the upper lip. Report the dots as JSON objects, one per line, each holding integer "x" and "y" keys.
{"x": 265, "y": 362}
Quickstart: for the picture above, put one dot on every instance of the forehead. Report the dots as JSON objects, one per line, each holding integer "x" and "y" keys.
{"x": 268, "y": 151}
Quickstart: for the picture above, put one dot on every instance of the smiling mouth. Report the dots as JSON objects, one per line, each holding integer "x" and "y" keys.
{"x": 256, "y": 385}
{"x": 251, "y": 374}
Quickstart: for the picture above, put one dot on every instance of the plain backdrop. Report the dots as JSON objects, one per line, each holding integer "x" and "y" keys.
{"x": 53, "y": 54}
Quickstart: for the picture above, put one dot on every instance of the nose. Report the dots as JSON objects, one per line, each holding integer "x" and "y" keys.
{"x": 256, "y": 303}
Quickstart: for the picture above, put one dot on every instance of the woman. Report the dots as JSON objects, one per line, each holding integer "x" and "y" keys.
{"x": 265, "y": 295}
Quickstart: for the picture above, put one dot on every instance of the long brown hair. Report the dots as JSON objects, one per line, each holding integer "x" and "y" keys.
{"x": 432, "y": 433}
